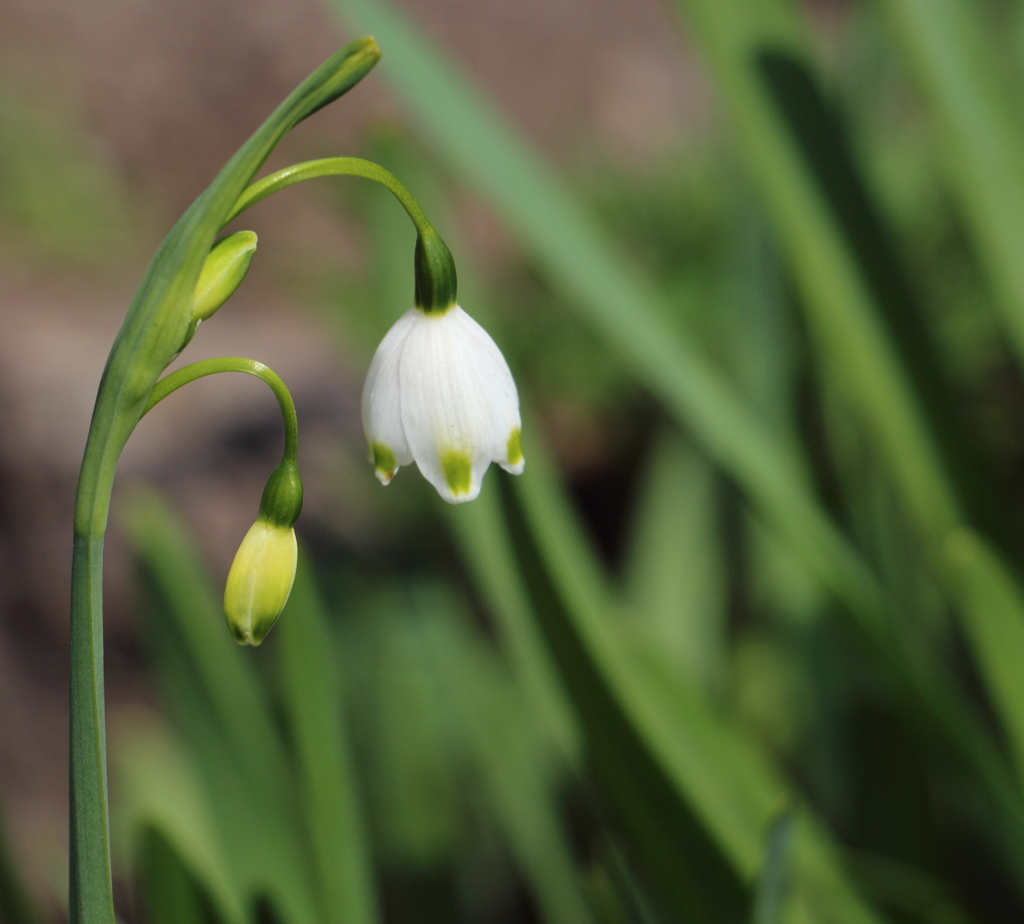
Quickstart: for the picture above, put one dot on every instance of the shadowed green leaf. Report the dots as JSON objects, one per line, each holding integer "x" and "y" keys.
{"x": 216, "y": 698}
{"x": 160, "y": 791}
{"x": 950, "y": 51}
{"x": 672, "y": 770}
{"x": 835, "y": 243}
{"x": 675, "y": 578}
{"x": 171, "y": 894}
{"x": 311, "y": 690}
{"x": 579, "y": 259}
{"x": 769, "y": 899}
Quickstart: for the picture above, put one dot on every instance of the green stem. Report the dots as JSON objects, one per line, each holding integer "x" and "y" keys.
{"x": 152, "y": 334}
{"x": 90, "y": 897}
{"x": 434, "y": 268}
{"x": 186, "y": 374}
{"x": 332, "y": 166}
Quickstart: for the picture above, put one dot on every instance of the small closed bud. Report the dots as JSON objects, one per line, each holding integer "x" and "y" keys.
{"x": 222, "y": 273}
{"x": 260, "y": 581}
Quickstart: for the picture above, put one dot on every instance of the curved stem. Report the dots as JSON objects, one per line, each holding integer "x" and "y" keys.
{"x": 331, "y": 166}
{"x": 150, "y": 337}
{"x": 183, "y": 376}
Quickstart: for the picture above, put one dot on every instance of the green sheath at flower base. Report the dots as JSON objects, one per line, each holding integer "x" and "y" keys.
{"x": 436, "y": 282}
{"x": 282, "y": 497}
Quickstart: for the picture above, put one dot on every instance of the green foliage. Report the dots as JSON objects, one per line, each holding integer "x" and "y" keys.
{"x": 788, "y": 688}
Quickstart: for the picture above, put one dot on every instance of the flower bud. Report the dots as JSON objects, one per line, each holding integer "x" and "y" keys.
{"x": 222, "y": 273}
{"x": 260, "y": 581}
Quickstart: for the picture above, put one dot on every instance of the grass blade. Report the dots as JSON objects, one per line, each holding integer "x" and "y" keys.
{"x": 218, "y": 702}
{"x": 160, "y": 790}
{"x": 488, "y": 554}
{"x": 814, "y": 195}
{"x": 994, "y": 622}
{"x": 950, "y": 51}
{"x": 822, "y": 213}
{"x": 771, "y": 890}
{"x": 621, "y": 689}
{"x": 512, "y": 757}
{"x": 581, "y": 262}
{"x": 311, "y": 690}
{"x": 675, "y": 580}
{"x": 688, "y": 867}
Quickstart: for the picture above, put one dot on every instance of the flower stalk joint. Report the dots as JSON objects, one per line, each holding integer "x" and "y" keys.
{"x": 282, "y": 497}
{"x": 436, "y": 280}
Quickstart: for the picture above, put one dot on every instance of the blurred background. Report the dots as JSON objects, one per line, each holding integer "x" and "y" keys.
{"x": 742, "y": 644}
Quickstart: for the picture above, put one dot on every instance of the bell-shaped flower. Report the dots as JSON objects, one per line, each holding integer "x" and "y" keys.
{"x": 440, "y": 393}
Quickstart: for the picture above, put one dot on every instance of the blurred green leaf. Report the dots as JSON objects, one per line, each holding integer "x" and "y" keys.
{"x": 796, "y": 152}
{"x": 511, "y": 755}
{"x": 651, "y": 740}
{"x": 675, "y": 575}
{"x": 14, "y": 903}
{"x": 218, "y": 702}
{"x": 417, "y": 806}
{"x": 688, "y": 870}
{"x": 769, "y": 900}
{"x": 994, "y": 622}
{"x": 159, "y": 791}
{"x": 854, "y": 294}
{"x": 170, "y": 894}
{"x": 908, "y": 890}
{"x": 950, "y": 51}
{"x": 311, "y": 691}
{"x": 488, "y": 554}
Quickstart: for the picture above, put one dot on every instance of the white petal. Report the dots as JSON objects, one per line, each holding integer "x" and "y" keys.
{"x": 381, "y": 407}
{"x": 456, "y": 396}
{"x": 504, "y": 399}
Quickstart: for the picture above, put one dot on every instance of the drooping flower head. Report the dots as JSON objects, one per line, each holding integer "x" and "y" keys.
{"x": 261, "y": 576}
{"x": 440, "y": 394}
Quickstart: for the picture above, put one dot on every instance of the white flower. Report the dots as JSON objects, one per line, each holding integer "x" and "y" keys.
{"x": 440, "y": 393}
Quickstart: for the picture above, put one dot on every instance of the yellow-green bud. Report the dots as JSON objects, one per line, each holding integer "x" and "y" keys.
{"x": 260, "y": 581}
{"x": 222, "y": 273}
